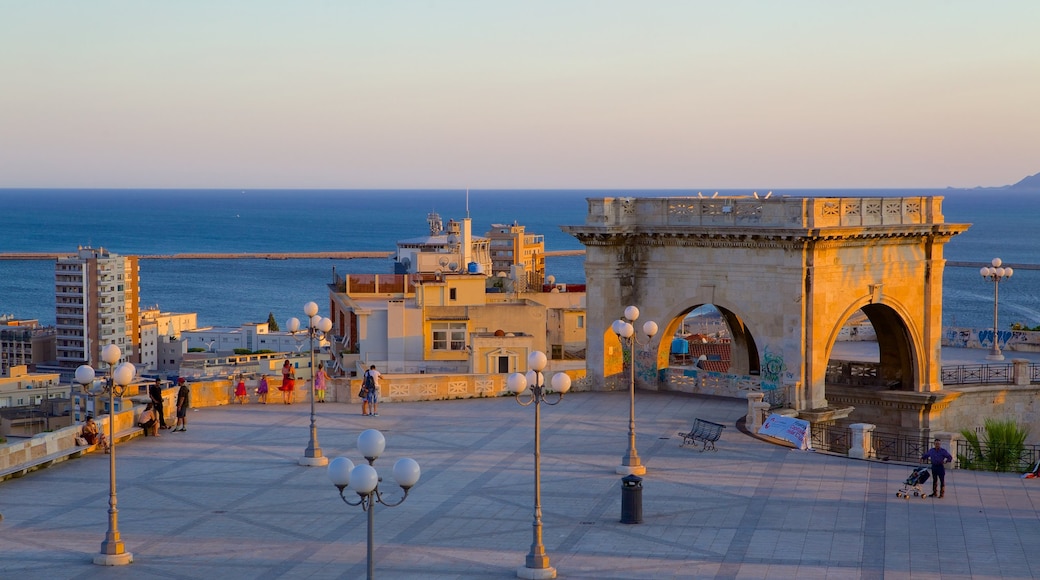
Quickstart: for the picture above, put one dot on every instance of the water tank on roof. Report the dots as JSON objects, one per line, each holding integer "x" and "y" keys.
{"x": 680, "y": 346}
{"x": 473, "y": 268}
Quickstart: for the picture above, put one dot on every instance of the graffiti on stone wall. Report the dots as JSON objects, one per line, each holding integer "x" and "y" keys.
{"x": 976, "y": 338}
{"x": 646, "y": 366}
{"x": 773, "y": 370}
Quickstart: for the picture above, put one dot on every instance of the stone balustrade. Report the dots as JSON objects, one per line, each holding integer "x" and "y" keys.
{"x": 776, "y": 211}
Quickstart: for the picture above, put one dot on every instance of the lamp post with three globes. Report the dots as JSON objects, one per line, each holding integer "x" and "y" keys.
{"x": 530, "y": 388}
{"x": 317, "y": 327}
{"x": 364, "y": 481}
{"x": 997, "y": 274}
{"x": 113, "y": 552}
{"x": 623, "y": 328}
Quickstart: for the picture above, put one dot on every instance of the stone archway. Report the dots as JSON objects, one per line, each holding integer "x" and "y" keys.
{"x": 792, "y": 268}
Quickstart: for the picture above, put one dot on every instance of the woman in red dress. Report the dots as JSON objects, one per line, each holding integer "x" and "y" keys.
{"x": 288, "y": 382}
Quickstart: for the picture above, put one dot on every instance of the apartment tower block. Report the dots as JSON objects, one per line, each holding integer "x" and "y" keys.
{"x": 96, "y": 304}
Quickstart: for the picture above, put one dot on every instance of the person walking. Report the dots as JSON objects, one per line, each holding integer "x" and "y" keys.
{"x": 370, "y": 388}
{"x": 320, "y": 379}
{"x": 939, "y": 458}
{"x": 288, "y": 382}
{"x": 156, "y": 396}
{"x": 183, "y": 402}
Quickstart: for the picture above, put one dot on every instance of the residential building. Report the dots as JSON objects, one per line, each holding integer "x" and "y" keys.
{"x": 444, "y": 251}
{"x": 160, "y": 344}
{"x": 96, "y": 304}
{"x": 32, "y": 403}
{"x": 512, "y": 247}
{"x": 253, "y": 337}
{"x": 24, "y": 342}
{"x": 452, "y": 323}
{"x": 446, "y": 310}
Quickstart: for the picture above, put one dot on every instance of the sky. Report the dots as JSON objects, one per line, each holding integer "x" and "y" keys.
{"x": 506, "y": 94}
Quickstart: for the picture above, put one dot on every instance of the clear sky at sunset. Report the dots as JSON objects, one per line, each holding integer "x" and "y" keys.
{"x": 518, "y": 94}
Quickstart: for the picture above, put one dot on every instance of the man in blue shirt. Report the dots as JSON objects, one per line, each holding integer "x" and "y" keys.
{"x": 939, "y": 458}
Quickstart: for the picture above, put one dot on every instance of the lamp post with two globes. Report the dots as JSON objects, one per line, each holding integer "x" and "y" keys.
{"x": 364, "y": 481}
{"x": 317, "y": 327}
{"x": 530, "y": 388}
{"x": 997, "y": 274}
{"x": 113, "y": 552}
{"x": 630, "y": 464}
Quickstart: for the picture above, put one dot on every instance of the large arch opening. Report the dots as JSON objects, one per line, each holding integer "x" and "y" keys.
{"x": 873, "y": 351}
{"x": 710, "y": 338}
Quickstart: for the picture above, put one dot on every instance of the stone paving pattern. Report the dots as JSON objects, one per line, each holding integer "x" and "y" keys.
{"x": 228, "y": 500}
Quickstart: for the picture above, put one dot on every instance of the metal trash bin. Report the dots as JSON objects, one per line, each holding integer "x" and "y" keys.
{"x": 631, "y": 499}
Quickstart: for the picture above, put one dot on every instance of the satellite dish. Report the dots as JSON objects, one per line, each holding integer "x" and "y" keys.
{"x": 443, "y": 262}
{"x": 453, "y": 266}
{"x": 551, "y": 280}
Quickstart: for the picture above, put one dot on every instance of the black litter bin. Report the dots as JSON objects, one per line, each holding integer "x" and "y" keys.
{"x": 631, "y": 499}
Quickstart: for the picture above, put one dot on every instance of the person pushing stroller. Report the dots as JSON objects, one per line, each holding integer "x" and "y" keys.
{"x": 939, "y": 457}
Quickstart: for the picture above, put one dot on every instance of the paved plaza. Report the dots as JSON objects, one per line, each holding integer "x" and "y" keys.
{"x": 228, "y": 500}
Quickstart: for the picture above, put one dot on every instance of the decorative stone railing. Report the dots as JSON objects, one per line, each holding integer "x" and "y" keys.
{"x": 780, "y": 211}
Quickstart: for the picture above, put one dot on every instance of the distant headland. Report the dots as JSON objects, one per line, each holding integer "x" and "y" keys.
{"x": 1029, "y": 183}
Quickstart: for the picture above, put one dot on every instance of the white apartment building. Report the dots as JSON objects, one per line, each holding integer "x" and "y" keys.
{"x": 254, "y": 337}
{"x": 160, "y": 348}
{"x": 96, "y": 304}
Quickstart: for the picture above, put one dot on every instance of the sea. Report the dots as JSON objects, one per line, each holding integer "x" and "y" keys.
{"x": 1005, "y": 223}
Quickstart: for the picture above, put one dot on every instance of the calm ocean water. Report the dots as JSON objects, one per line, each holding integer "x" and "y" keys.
{"x": 231, "y": 292}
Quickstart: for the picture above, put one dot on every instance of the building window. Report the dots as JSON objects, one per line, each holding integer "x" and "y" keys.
{"x": 581, "y": 321}
{"x": 452, "y": 293}
{"x": 449, "y": 335}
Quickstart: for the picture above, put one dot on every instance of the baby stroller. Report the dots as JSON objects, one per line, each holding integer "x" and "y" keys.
{"x": 914, "y": 482}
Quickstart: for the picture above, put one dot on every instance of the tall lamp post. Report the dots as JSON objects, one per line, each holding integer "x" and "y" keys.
{"x": 530, "y": 388}
{"x": 317, "y": 327}
{"x": 997, "y": 274}
{"x": 630, "y": 464}
{"x": 364, "y": 481}
{"x": 113, "y": 553}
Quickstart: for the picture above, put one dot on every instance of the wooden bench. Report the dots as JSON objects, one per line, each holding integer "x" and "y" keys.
{"x": 706, "y": 432}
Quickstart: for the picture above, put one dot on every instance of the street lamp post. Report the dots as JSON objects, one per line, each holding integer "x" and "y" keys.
{"x": 113, "y": 553}
{"x": 364, "y": 480}
{"x": 630, "y": 464}
{"x": 530, "y": 388}
{"x": 997, "y": 274}
{"x": 317, "y": 327}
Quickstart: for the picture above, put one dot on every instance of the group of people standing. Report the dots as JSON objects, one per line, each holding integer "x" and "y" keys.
{"x": 153, "y": 418}
{"x": 288, "y": 386}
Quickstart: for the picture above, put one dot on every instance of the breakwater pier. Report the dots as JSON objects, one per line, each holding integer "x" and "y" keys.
{"x": 243, "y": 255}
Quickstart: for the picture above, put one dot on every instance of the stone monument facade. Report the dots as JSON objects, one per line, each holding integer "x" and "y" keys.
{"x": 786, "y": 272}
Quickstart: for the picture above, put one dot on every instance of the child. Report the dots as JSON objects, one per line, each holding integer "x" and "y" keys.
{"x": 319, "y": 383}
{"x": 261, "y": 390}
{"x": 240, "y": 390}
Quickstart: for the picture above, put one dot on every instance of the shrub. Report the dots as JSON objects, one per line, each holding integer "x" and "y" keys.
{"x": 1002, "y": 449}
